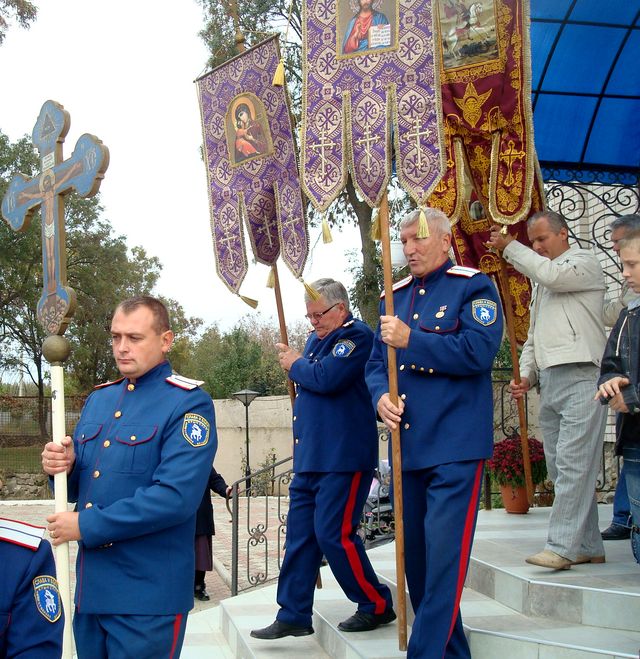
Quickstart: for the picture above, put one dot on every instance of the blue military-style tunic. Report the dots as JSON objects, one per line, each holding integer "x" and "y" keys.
{"x": 31, "y": 616}
{"x": 335, "y": 451}
{"x": 143, "y": 455}
{"x": 330, "y": 392}
{"x": 444, "y": 374}
{"x": 446, "y": 432}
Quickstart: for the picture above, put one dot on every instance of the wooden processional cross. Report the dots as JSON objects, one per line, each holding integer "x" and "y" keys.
{"x": 82, "y": 172}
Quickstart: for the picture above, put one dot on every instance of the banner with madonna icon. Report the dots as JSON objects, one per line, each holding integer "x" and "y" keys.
{"x": 369, "y": 79}
{"x": 251, "y": 165}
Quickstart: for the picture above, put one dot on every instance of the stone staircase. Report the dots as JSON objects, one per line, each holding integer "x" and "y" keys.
{"x": 511, "y": 610}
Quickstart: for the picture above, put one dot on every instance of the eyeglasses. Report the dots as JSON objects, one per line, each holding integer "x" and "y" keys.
{"x": 318, "y": 315}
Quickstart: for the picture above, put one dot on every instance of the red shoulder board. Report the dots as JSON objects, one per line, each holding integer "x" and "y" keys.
{"x": 21, "y": 533}
{"x": 400, "y": 284}
{"x": 462, "y": 271}
{"x": 108, "y": 384}
{"x": 182, "y": 382}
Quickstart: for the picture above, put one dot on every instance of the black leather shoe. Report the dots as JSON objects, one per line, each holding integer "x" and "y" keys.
{"x": 200, "y": 593}
{"x": 365, "y": 622}
{"x": 280, "y": 629}
{"x": 616, "y": 532}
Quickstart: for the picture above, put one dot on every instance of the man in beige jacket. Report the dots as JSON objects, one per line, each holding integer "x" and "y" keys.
{"x": 562, "y": 355}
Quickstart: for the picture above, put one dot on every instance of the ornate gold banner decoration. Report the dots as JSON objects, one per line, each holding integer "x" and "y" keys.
{"x": 369, "y": 72}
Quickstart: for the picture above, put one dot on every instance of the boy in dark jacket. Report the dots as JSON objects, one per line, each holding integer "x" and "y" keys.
{"x": 619, "y": 383}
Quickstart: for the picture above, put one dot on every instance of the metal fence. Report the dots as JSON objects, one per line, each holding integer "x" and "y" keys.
{"x": 25, "y": 426}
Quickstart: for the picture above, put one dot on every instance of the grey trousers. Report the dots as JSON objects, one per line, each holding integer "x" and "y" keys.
{"x": 572, "y": 425}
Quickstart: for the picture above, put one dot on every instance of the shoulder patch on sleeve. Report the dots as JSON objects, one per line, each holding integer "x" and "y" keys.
{"x": 47, "y": 596}
{"x": 196, "y": 429}
{"x": 484, "y": 311}
{"x": 400, "y": 284}
{"x": 21, "y": 533}
{"x": 463, "y": 271}
{"x": 108, "y": 384}
{"x": 343, "y": 348}
{"x": 182, "y": 382}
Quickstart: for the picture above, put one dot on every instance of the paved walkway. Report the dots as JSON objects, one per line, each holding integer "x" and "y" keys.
{"x": 35, "y": 512}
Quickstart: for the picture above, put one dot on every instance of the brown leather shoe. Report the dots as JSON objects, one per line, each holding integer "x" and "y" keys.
{"x": 548, "y": 558}
{"x": 588, "y": 559}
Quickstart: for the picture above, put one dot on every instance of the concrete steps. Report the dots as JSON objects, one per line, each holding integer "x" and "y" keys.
{"x": 511, "y": 610}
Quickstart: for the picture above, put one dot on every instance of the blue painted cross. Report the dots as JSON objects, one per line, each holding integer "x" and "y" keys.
{"x": 83, "y": 173}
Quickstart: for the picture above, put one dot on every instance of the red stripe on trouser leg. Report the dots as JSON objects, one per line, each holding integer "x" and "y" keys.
{"x": 177, "y": 624}
{"x": 351, "y": 551}
{"x": 465, "y": 545}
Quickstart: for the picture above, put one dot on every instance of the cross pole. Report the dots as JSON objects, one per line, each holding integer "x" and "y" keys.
{"x": 82, "y": 172}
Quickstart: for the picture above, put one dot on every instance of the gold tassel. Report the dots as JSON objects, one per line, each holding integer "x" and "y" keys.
{"x": 247, "y": 300}
{"x": 313, "y": 294}
{"x": 278, "y": 76}
{"x": 423, "y": 226}
{"x": 271, "y": 279}
{"x": 326, "y": 232}
{"x": 375, "y": 228}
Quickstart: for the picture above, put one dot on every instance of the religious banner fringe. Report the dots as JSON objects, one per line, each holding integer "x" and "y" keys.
{"x": 488, "y": 126}
{"x": 252, "y": 170}
{"x": 369, "y": 78}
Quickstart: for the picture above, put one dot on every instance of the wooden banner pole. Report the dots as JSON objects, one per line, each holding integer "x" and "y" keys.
{"x": 401, "y": 596}
{"x": 503, "y": 276}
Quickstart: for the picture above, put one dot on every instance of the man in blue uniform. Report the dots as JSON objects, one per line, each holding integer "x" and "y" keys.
{"x": 137, "y": 466}
{"x": 334, "y": 454}
{"x": 31, "y": 617}
{"x": 447, "y": 330}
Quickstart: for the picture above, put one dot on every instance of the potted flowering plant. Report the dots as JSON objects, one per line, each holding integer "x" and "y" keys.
{"x": 507, "y": 469}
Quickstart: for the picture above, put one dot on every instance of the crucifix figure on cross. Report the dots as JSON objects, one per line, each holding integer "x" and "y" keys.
{"x": 368, "y": 140}
{"x": 82, "y": 172}
{"x": 322, "y": 146}
{"x": 417, "y": 136}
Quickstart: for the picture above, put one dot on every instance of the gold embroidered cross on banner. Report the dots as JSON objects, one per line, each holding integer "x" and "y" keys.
{"x": 323, "y": 145}
{"x": 368, "y": 140}
{"x": 417, "y": 136}
{"x": 509, "y": 156}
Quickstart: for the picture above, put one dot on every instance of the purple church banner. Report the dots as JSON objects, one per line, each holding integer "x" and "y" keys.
{"x": 251, "y": 165}
{"x": 370, "y": 79}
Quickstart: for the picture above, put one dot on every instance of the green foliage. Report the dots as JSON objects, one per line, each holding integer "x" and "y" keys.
{"x": 100, "y": 268}
{"x": 24, "y": 12}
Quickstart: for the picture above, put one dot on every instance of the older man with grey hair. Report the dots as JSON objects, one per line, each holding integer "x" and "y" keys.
{"x": 446, "y": 328}
{"x": 335, "y": 451}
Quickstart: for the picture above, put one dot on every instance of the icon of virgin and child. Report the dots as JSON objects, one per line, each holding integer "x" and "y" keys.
{"x": 247, "y": 129}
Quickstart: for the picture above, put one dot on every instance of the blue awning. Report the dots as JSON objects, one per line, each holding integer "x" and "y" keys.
{"x": 586, "y": 88}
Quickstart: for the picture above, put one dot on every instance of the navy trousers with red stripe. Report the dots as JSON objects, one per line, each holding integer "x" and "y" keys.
{"x": 102, "y": 636}
{"x": 440, "y": 511}
{"x": 324, "y": 511}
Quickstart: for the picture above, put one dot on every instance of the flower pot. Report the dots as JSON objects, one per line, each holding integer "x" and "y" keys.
{"x": 515, "y": 499}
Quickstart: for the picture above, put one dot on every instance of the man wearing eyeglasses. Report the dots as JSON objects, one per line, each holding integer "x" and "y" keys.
{"x": 335, "y": 450}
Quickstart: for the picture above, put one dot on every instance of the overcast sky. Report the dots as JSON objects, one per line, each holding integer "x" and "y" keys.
{"x": 125, "y": 71}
